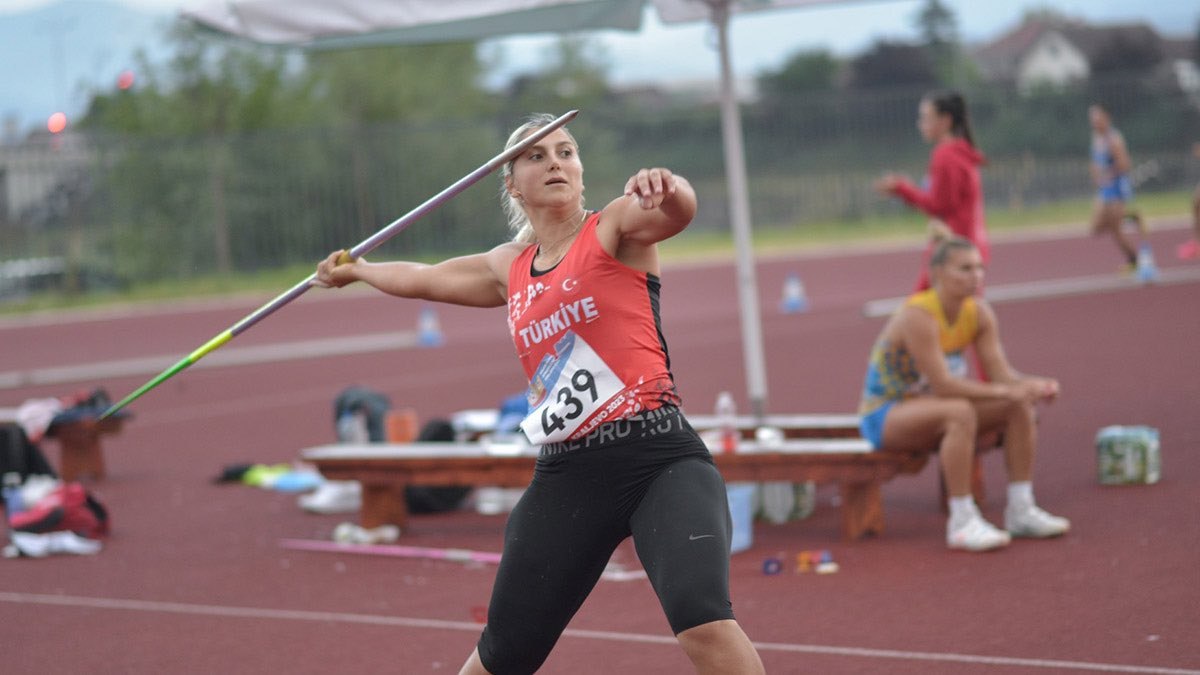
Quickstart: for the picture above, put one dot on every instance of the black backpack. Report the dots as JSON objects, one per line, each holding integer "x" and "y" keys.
{"x": 375, "y": 406}
{"x": 427, "y": 498}
{"x": 20, "y": 455}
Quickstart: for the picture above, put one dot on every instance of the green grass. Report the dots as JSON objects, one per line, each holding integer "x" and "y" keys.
{"x": 909, "y": 227}
{"x": 277, "y": 280}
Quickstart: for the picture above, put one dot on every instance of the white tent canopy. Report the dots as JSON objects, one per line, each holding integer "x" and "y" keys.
{"x": 334, "y": 24}
{"x": 361, "y": 22}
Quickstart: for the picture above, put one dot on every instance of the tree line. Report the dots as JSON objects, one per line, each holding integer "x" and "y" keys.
{"x": 236, "y": 157}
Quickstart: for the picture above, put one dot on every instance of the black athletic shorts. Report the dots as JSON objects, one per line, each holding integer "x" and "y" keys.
{"x": 649, "y": 477}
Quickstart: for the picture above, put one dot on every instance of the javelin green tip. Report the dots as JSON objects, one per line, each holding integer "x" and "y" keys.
{"x": 170, "y": 372}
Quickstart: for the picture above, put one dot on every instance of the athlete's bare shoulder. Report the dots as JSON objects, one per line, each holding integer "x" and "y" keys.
{"x": 501, "y": 258}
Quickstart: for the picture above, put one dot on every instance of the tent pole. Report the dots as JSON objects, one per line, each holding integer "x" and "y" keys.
{"x": 739, "y": 218}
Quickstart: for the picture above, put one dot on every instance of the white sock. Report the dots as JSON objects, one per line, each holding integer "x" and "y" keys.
{"x": 1020, "y": 494}
{"x": 962, "y": 509}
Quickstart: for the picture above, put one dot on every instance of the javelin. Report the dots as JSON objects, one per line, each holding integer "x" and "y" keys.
{"x": 366, "y": 246}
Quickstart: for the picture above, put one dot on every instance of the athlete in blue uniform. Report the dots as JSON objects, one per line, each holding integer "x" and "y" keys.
{"x": 1110, "y": 168}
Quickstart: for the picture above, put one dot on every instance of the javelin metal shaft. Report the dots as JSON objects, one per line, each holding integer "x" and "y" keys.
{"x": 366, "y": 246}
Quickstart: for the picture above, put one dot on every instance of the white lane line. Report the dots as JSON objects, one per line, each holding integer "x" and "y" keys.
{"x": 436, "y": 624}
{"x": 466, "y": 374}
{"x": 1053, "y": 288}
{"x": 377, "y": 342}
{"x": 231, "y": 356}
{"x": 974, "y": 659}
{"x": 155, "y": 606}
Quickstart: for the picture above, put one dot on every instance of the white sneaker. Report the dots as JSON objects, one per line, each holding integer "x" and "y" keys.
{"x": 976, "y": 534}
{"x": 42, "y": 544}
{"x": 65, "y": 541}
{"x": 30, "y": 544}
{"x": 333, "y": 496}
{"x": 1033, "y": 522}
{"x": 350, "y": 533}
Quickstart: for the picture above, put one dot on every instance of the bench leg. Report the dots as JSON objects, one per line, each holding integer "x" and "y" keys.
{"x": 80, "y": 454}
{"x": 862, "y": 509}
{"x": 383, "y": 504}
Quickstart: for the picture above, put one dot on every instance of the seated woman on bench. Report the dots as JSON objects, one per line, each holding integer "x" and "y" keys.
{"x": 917, "y": 396}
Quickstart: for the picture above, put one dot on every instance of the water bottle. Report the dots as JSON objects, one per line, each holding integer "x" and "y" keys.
{"x": 1147, "y": 271}
{"x": 352, "y": 427}
{"x": 13, "y": 503}
{"x": 726, "y": 413}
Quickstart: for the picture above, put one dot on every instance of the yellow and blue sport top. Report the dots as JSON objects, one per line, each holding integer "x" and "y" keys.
{"x": 892, "y": 372}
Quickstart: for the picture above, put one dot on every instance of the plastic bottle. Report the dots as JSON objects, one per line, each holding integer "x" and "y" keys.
{"x": 726, "y": 413}
{"x": 794, "y": 300}
{"x": 352, "y": 427}
{"x": 1147, "y": 270}
{"x": 13, "y": 503}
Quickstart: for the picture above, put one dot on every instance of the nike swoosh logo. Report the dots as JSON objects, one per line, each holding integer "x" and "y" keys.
{"x": 694, "y": 537}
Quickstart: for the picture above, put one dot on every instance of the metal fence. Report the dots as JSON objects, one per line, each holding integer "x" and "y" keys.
{"x": 102, "y": 211}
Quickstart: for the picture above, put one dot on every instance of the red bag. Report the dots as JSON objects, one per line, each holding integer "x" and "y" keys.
{"x": 66, "y": 507}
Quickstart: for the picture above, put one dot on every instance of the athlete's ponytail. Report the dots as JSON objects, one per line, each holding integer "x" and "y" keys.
{"x": 952, "y": 103}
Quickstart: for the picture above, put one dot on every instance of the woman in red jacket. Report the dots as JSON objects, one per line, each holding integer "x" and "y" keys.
{"x": 953, "y": 196}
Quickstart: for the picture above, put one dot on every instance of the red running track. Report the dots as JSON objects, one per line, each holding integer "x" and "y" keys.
{"x": 193, "y": 578}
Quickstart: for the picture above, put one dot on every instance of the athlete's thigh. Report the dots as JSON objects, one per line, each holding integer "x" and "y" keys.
{"x": 686, "y": 501}
{"x": 919, "y": 423}
{"x": 556, "y": 544}
{"x": 1107, "y": 214}
{"x": 993, "y": 414}
{"x": 682, "y": 531}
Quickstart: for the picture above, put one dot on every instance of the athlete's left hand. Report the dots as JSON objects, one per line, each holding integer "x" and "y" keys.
{"x": 651, "y": 187}
{"x": 1044, "y": 388}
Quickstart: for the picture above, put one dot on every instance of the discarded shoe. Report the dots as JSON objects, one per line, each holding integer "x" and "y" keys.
{"x": 232, "y": 473}
{"x": 298, "y": 480}
{"x": 40, "y": 545}
{"x": 349, "y": 533}
{"x": 264, "y": 475}
{"x": 333, "y": 496}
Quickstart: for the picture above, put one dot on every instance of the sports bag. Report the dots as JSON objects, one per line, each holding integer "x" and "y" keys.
{"x": 67, "y": 507}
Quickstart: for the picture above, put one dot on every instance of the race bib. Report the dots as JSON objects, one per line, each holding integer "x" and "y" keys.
{"x": 956, "y": 363}
{"x": 568, "y": 388}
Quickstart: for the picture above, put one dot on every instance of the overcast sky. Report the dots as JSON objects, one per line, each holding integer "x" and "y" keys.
{"x": 763, "y": 40}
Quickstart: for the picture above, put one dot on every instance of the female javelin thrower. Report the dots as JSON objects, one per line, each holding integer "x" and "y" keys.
{"x": 617, "y": 457}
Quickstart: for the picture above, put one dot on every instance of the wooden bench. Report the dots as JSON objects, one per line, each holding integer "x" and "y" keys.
{"x": 385, "y": 470}
{"x": 790, "y": 426}
{"x": 78, "y": 436}
{"x": 835, "y": 425}
{"x": 475, "y": 424}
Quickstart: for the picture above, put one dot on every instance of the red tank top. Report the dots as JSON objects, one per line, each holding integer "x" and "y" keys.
{"x": 589, "y": 337}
